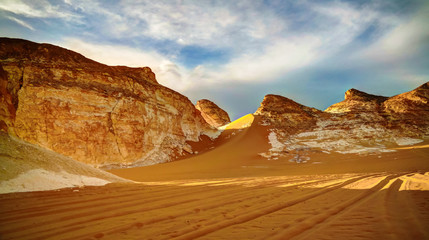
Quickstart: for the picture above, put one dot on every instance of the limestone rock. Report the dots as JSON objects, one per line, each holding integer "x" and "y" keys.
{"x": 287, "y": 114}
{"x": 212, "y": 113}
{"x": 407, "y": 111}
{"x": 357, "y": 101}
{"x": 94, "y": 113}
{"x": 362, "y": 123}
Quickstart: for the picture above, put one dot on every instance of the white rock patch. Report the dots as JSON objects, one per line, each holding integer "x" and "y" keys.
{"x": 43, "y": 180}
{"x": 276, "y": 145}
{"x": 407, "y": 141}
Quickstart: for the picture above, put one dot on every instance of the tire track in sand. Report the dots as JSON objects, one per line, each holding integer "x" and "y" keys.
{"x": 191, "y": 233}
{"x": 211, "y": 203}
{"x": 404, "y": 224}
{"x": 319, "y": 221}
{"x": 74, "y": 218}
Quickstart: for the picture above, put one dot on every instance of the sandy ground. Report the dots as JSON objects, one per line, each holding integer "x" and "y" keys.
{"x": 333, "y": 206}
{"x": 230, "y": 192}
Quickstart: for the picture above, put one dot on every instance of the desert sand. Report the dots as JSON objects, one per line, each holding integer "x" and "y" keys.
{"x": 228, "y": 191}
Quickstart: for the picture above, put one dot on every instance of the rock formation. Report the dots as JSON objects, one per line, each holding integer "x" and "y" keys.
{"x": 94, "y": 113}
{"x": 362, "y": 123}
{"x": 213, "y": 114}
{"x": 287, "y": 114}
{"x": 357, "y": 101}
{"x": 407, "y": 112}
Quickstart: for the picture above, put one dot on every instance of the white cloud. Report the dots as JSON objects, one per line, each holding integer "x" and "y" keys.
{"x": 262, "y": 44}
{"x": 275, "y": 60}
{"x": 339, "y": 25}
{"x": 202, "y": 22}
{"x": 113, "y": 54}
{"x": 35, "y": 9}
{"x": 21, "y": 8}
{"x": 21, "y": 22}
{"x": 403, "y": 41}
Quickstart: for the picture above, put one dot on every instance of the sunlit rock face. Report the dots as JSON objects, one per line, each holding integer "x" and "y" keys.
{"x": 287, "y": 114}
{"x": 92, "y": 112}
{"x": 212, "y": 113}
{"x": 407, "y": 112}
{"x": 362, "y": 123}
{"x": 357, "y": 101}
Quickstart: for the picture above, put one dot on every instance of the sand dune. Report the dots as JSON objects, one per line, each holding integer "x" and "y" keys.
{"x": 231, "y": 192}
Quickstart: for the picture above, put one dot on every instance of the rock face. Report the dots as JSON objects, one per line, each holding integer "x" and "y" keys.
{"x": 411, "y": 108}
{"x": 362, "y": 123}
{"x": 213, "y": 114}
{"x": 287, "y": 114}
{"x": 357, "y": 101}
{"x": 94, "y": 113}
{"x": 407, "y": 112}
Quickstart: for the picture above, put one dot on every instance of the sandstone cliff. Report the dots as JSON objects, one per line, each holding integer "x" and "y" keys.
{"x": 92, "y": 112}
{"x": 362, "y": 123}
{"x": 212, "y": 113}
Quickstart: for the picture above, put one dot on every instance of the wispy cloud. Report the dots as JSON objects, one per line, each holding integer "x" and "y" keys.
{"x": 21, "y": 22}
{"x": 36, "y": 9}
{"x": 271, "y": 62}
{"x": 207, "y": 23}
{"x": 402, "y": 41}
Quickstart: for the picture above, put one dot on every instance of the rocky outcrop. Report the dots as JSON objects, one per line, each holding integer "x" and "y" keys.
{"x": 414, "y": 103}
{"x": 94, "y": 113}
{"x": 287, "y": 114}
{"x": 407, "y": 112}
{"x": 361, "y": 123}
{"x": 357, "y": 101}
{"x": 213, "y": 114}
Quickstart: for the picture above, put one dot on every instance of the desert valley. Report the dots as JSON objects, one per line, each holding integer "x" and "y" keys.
{"x": 91, "y": 151}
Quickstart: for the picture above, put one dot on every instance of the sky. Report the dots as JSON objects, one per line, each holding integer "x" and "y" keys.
{"x": 236, "y": 52}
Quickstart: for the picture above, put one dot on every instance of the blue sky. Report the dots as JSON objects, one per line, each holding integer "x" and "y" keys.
{"x": 235, "y": 52}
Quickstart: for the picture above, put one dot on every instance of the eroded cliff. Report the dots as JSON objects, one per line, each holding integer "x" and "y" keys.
{"x": 94, "y": 113}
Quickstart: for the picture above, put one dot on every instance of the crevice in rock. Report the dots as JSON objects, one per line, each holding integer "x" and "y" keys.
{"x": 15, "y": 98}
{"x": 46, "y": 120}
{"x": 111, "y": 127}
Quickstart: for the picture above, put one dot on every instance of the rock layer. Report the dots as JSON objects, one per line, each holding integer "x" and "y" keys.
{"x": 92, "y": 112}
{"x": 212, "y": 113}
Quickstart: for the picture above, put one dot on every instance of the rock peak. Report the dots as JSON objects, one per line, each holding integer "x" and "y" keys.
{"x": 279, "y": 104}
{"x": 212, "y": 113}
{"x": 354, "y": 94}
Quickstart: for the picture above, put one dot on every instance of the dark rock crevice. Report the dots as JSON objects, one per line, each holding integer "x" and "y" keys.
{"x": 112, "y": 129}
